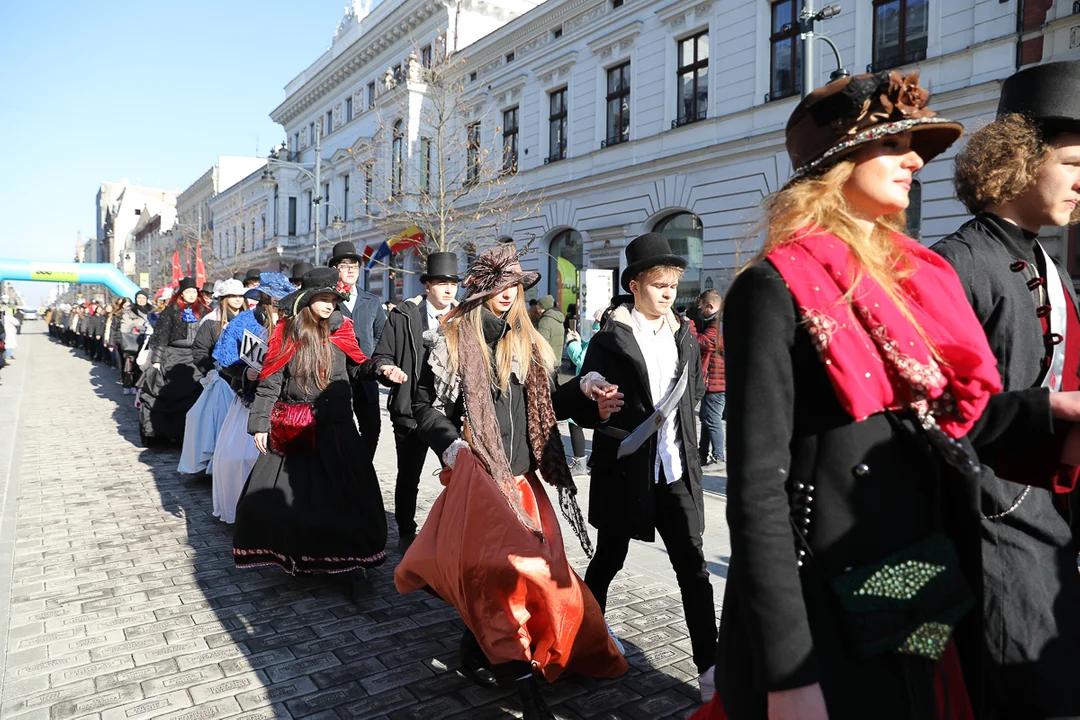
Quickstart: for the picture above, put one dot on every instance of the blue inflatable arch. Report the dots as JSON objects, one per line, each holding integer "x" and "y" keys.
{"x": 91, "y": 273}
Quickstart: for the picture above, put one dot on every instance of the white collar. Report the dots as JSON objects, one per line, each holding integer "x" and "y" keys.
{"x": 644, "y": 325}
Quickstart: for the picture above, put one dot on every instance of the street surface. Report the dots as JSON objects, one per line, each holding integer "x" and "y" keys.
{"x": 119, "y": 597}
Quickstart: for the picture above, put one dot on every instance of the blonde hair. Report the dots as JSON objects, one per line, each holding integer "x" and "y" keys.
{"x": 659, "y": 272}
{"x": 518, "y": 342}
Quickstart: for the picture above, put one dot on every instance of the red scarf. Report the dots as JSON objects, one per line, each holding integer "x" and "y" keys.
{"x": 873, "y": 355}
{"x": 279, "y": 353}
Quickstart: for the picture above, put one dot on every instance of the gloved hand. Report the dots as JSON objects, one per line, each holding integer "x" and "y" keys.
{"x": 449, "y": 456}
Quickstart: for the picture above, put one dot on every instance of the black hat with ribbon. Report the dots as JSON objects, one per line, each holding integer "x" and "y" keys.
{"x": 298, "y": 271}
{"x": 315, "y": 282}
{"x": 1048, "y": 94}
{"x": 442, "y": 266}
{"x": 344, "y": 250}
{"x": 646, "y": 251}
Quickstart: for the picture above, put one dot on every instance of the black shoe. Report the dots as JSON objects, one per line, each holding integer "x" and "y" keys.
{"x": 359, "y": 583}
{"x": 405, "y": 540}
{"x": 533, "y": 705}
{"x": 474, "y": 664}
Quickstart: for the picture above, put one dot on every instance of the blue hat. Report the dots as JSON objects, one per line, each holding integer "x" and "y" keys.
{"x": 274, "y": 284}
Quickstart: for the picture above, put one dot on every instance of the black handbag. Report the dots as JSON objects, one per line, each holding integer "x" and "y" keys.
{"x": 130, "y": 342}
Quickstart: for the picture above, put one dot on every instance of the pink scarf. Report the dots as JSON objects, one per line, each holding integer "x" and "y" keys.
{"x": 874, "y": 357}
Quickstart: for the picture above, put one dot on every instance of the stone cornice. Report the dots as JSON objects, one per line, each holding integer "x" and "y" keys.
{"x": 507, "y": 91}
{"x": 623, "y": 38}
{"x": 675, "y": 15}
{"x": 391, "y": 30}
{"x": 555, "y": 70}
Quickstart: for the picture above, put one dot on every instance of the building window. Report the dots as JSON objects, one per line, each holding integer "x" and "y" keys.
{"x": 275, "y": 212}
{"x": 510, "y": 140}
{"x": 328, "y": 125}
{"x": 914, "y": 211}
{"x": 685, "y": 234}
{"x": 311, "y": 209}
{"x": 557, "y": 122}
{"x": 397, "y": 158}
{"x": 296, "y": 141}
{"x": 311, "y": 134}
{"x": 618, "y": 105}
{"x": 510, "y": 57}
{"x": 348, "y": 109}
{"x": 556, "y": 33}
{"x": 345, "y": 199}
{"x": 566, "y": 257}
{"x": 425, "y": 163}
{"x": 472, "y": 76}
{"x": 369, "y": 190}
{"x": 616, "y": 4}
{"x": 425, "y": 56}
{"x": 325, "y": 200}
{"x": 692, "y": 78}
{"x": 371, "y": 94}
{"x": 785, "y": 74}
{"x": 472, "y": 154}
{"x": 292, "y": 216}
{"x": 398, "y": 75}
{"x": 900, "y": 32}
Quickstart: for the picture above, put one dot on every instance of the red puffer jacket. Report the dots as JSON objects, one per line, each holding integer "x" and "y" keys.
{"x": 711, "y": 343}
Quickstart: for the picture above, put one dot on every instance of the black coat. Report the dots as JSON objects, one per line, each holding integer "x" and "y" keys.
{"x": 439, "y": 430}
{"x": 402, "y": 344}
{"x": 1032, "y": 598}
{"x": 170, "y": 390}
{"x": 872, "y": 488}
{"x": 621, "y": 491}
{"x": 368, "y": 318}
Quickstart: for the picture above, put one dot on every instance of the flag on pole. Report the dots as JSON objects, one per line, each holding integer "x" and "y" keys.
{"x": 200, "y": 268}
{"x": 176, "y": 276}
{"x": 410, "y": 237}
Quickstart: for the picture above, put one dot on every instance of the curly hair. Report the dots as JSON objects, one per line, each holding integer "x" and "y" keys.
{"x": 1000, "y": 162}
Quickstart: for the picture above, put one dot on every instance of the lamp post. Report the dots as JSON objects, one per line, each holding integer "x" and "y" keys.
{"x": 269, "y": 181}
{"x": 807, "y": 19}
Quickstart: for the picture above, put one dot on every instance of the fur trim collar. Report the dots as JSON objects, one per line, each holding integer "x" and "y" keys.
{"x": 622, "y": 315}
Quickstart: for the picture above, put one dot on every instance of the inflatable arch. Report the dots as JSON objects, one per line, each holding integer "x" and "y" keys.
{"x": 91, "y": 273}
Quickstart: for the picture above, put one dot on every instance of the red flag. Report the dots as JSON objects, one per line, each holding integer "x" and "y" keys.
{"x": 187, "y": 260}
{"x": 176, "y": 276}
{"x": 200, "y": 269}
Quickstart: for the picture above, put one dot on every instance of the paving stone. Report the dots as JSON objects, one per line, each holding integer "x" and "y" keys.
{"x": 325, "y": 699}
{"x": 148, "y": 708}
{"x": 346, "y": 673}
{"x": 95, "y": 703}
{"x": 275, "y": 693}
{"x": 373, "y": 706}
{"x": 256, "y": 661}
{"x": 227, "y": 687}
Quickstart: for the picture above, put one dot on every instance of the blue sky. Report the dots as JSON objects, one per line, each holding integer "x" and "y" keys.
{"x": 149, "y": 91}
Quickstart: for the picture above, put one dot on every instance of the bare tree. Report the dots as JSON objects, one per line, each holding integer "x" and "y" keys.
{"x": 463, "y": 191}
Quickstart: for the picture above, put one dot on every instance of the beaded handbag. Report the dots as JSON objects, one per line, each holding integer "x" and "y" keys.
{"x": 908, "y": 603}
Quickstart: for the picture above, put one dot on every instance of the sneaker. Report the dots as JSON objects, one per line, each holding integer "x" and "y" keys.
{"x": 579, "y": 466}
{"x": 707, "y": 685}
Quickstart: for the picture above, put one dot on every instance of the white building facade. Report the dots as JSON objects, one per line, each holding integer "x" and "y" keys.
{"x": 631, "y": 116}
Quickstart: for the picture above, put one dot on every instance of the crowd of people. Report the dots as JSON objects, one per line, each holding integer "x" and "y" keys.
{"x": 901, "y": 455}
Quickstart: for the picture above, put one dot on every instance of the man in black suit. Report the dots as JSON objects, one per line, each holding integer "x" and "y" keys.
{"x": 368, "y": 318}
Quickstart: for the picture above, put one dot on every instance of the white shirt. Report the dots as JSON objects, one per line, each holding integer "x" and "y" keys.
{"x": 351, "y": 302}
{"x": 433, "y": 315}
{"x": 662, "y": 361}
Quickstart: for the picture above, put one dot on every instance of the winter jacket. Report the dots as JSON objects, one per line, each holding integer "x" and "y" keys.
{"x": 711, "y": 346}
{"x": 552, "y": 329}
{"x": 133, "y": 321}
{"x": 206, "y": 338}
{"x": 368, "y": 318}
{"x": 403, "y": 344}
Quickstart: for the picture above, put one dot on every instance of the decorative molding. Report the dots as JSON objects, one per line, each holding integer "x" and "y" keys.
{"x": 556, "y": 70}
{"x": 584, "y": 18}
{"x": 508, "y": 91}
{"x": 623, "y": 39}
{"x": 675, "y": 15}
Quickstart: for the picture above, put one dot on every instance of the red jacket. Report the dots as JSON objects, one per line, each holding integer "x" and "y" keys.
{"x": 711, "y": 344}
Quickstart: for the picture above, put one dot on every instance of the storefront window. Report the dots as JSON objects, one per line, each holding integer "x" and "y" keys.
{"x": 685, "y": 234}
{"x": 564, "y": 266}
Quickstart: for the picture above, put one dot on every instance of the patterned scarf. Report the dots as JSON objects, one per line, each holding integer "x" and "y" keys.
{"x": 874, "y": 356}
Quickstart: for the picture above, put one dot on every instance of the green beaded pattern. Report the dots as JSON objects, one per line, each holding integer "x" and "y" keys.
{"x": 901, "y": 582}
{"x": 928, "y": 640}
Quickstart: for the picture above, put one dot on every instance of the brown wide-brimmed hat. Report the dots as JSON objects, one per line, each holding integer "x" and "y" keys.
{"x": 494, "y": 270}
{"x": 835, "y": 120}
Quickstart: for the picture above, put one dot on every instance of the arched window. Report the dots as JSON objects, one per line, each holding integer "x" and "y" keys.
{"x": 684, "y": 232}
{"x": 914, "y": 211}
{"x": 397, "y": 156}
{"x": 564, "y": 267}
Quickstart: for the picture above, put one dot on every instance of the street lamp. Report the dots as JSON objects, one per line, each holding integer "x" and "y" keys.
{"x": 807, "y": 19}
{"x": 269, "y": 181}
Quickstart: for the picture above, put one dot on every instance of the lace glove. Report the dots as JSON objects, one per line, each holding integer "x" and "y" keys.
{"x": 449, "y": 456}
{"x": 592, "y": 383}
{"x": 208, "y": 378}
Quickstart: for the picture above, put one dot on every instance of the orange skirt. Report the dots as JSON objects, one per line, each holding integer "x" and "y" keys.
{"x": 515, "y": 592}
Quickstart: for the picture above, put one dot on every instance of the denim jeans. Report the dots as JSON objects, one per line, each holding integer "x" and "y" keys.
{"x": 712, "y": 426}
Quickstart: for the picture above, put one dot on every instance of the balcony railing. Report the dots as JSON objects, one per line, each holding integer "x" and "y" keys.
{"x": 908, "y": 58}
{"x": 781, "y": 94}
{"x": 617, "y": 140}
{"x": 688, "y": 120}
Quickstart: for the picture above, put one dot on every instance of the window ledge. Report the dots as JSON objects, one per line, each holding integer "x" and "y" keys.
{"x": 610, "y": 142}
{"x": 678, "y": 123}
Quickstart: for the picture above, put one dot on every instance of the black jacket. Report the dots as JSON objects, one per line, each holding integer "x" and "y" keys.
{"x": 1032, "y": 593}
{"x": 368, "y": 319}
{"x": 402, "y": 344}
{"x": 621, "y": 491}
{"x": 439, "y": 430}
{"x": 872, "y": 488}
{"x": 206, "y": 337}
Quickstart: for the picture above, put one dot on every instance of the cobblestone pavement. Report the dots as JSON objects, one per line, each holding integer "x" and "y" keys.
{"x": 119, "y": 597}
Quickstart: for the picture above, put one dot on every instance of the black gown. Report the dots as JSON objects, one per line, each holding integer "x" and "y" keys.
{"x": 168, "y": 392}
{"x": 312, "y": 513}
{"x": 1032, "y": 598}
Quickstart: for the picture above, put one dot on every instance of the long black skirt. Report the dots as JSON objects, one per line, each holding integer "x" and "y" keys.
{"x": 167, "y": 395}
{"x": 320, "y": 512}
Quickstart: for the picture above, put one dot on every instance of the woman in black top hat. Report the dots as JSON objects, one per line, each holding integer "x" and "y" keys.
{"x": 1019, "y": 174}
{"x": 312, "y": 503}
{"x": 171, "y": 386}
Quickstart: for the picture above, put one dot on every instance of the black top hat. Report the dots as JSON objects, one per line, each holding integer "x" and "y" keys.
{"x": 252, "y": 274}
{"x": 315, "y": 281}
{"x": 441, "y": 266}
{"x": 186, "y": 284}
{"x": 298, "y": 271}
{"x": 646, "y": 251}
{"x": 1048, "y": 94}
{"x": 343, "y": 251}
{"x": 239, "y": 275}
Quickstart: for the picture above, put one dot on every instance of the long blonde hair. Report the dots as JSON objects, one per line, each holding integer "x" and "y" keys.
{"x": 518, "y": 342}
